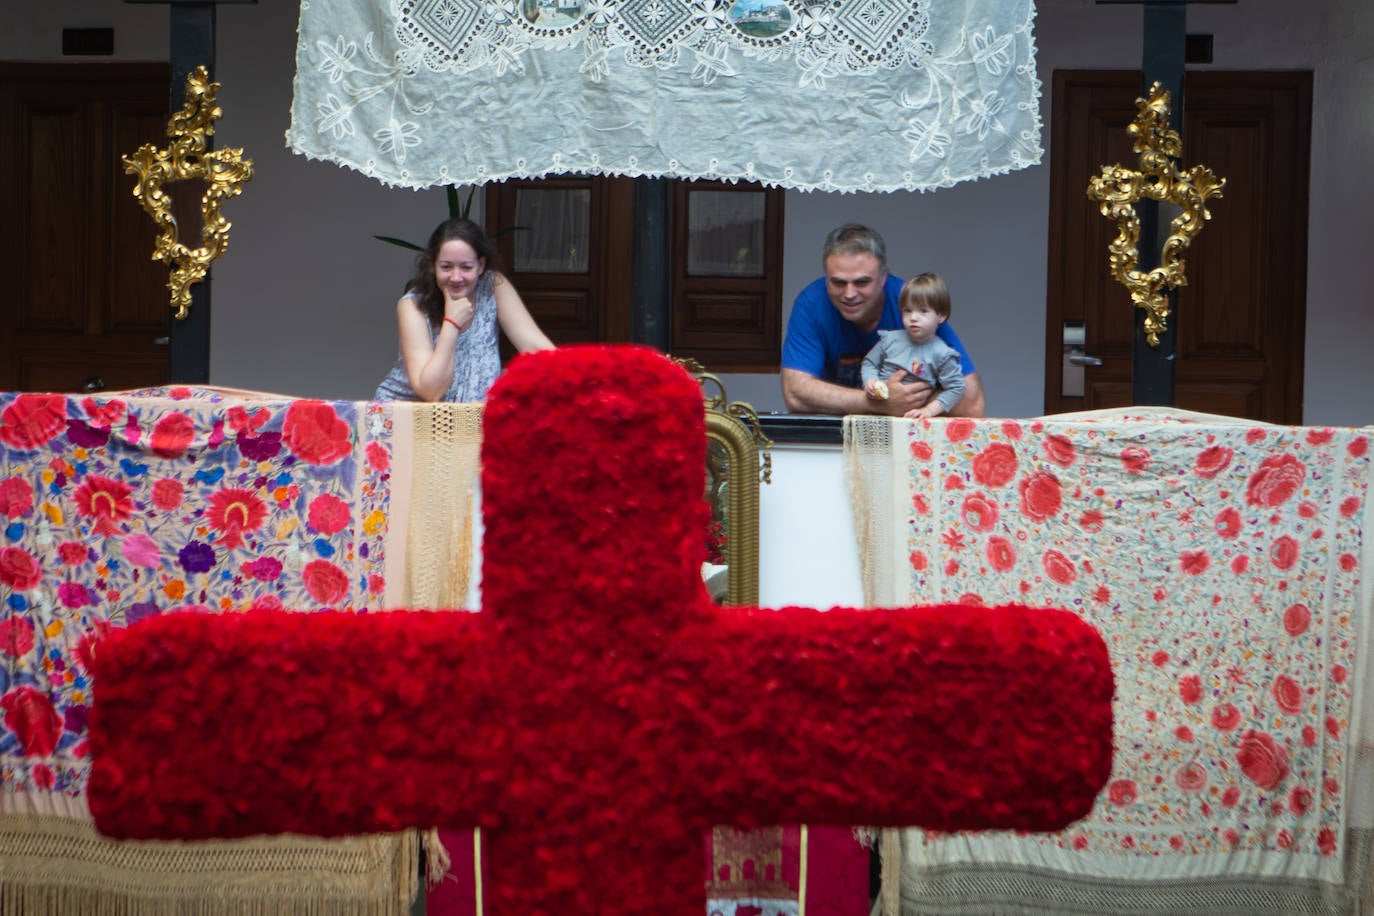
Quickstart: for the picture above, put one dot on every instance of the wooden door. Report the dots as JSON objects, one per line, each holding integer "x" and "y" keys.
{"x": 82, "y": 305}
{"x": 1241, "y": 317}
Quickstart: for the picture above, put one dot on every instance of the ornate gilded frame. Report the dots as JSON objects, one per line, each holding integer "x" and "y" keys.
{"x": 733, "y": 430}
{"x": 1118, "y": 189}
{"x": 223, "y": 171}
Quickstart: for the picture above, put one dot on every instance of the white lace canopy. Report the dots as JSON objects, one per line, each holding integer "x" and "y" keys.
{"x": 834, "y": 95}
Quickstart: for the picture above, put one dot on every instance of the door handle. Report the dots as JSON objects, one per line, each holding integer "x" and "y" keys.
{"x": 1072, "y": 383}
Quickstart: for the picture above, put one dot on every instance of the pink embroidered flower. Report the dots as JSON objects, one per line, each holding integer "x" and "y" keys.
{"x": 1358, "y": 447}
{"x": 1276, "y": 480}
{"x": 1230, "y": 797}
{"x": 32, "y": 420}
{"x": 16, "y": 636}
{"x": 325, "y": 582}
{"x": 1350, "y": 506}
{"x": 1300, "y": 800}
{"x": 315, "y": 434}
{"x": 16, "y": 497}
{"x": 1240, "y": 564}
{"x": 73, "y": 595}
{"x": 105, "y": 501}
{"x": 1001, "y": 554}
{"x": 34, "y": 721}
{"x": 1296, "y": 619}
{"x": 73, "y": 553}
{"x": 1091, "y": 520}
{"x": 1041, "y": 496}
{"x": 1190, "y": 688}
{"x": 959, "y": 429}
{"x": 328, "y": 514}
{"x": 995, "y": 466}
{"x": 1059, "y": 567}
{"x": 1212, "y": 460}
{"x": 1228, "y": 523}
{"x": 1194, "y": 562}
{"x": 1191, "y": 778}
{"x": 1135, "y": 459}
{"x": 1263, "y": 761}
{"x": 1225, "y": 717}
{"x": 1060, "y": 449}
{"x": 1011, "y": 429}
{"x": 1326, "y": 842}
{"x": 1320, "y": 436}
{"x": 979, "y": 512}
{"x": 141, "y": 550}
{"x": 1287, "y": 693}
{"x": 172, "y": 435}
{"x": 18, "y": 569}
{"x": 103, "y": 415}
{"x": 1122, "y": 792}
{"x": 167, "y": 494}
{"x": 921, "y": 451}
{"x": 379, "y": 459}
{"x": 919, "y": 562}
{"x": 1283, "y": 553}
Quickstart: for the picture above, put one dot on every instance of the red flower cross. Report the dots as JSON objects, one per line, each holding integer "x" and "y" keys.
{"x": 600, "y": 713}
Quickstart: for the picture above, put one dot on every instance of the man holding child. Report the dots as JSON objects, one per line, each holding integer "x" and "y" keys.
{"x": 835, "y": 323}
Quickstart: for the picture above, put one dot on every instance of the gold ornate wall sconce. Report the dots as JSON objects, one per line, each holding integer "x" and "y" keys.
{"x": 1118, "y": 189}
{"x": 224, "y": 173}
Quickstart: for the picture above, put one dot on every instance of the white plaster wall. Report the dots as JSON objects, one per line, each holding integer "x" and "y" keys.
{"x": 303, "y": 299}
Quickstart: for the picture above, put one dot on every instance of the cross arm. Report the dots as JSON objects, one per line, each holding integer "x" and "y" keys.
{"x": 945, "y": 717}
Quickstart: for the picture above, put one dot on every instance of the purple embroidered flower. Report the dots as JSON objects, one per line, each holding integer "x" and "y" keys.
{"x": 259, "y": 448}
{"x": 74, "y": 719}
{"x": 142, "y": 609}
{"x": 197, "y": 557}
{"x": 83, "y": 434}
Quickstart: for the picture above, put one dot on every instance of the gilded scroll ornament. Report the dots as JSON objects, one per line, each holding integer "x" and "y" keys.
{"x": 223, "y": 171}
{"x": 1118, "y": 189}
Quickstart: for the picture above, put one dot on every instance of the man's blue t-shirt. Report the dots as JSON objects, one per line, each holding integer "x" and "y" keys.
{"x": 822, "y": 343}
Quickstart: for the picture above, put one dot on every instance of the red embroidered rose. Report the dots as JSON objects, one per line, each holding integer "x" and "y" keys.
{"x": 1060, "y": 449}
{"x": 1191, "y": 778}
{"x": 1041, "y": 497}
{"x": 1190, "y": 688}
{"x": 954, "y": 482}
{"x": 1228, "y": 522}
{"x": 314, "y": 433}
{"x": 1348, "y": 562}
{"x": 1001, "y": 554}
{"x": 172, "y": 435}
{"x": 325, "y": 582}
{"x": 1296, "y": 619}
{"x": 16, "y": 497}
{"x": 979, "y": 512}
{"x": 16, "y": 636}
{"x": 959, "y": 429}
{"x": 1212, "y": 460}
{"x": 1011, "y": 429}
{"x": 1283, "y": 553}
{"x": 1240, "y": 564}
{"x": 34, "y": 721}
{"x": 1319, "y": 436}
{"x": 921, "y": 451}
{"x": 18, "y": 569}
{"x": 105, "y": 501}
{"x": 1263, "y": 761}
{"x": 167, "y": 494}
{"x": 1358, "y": 447}
{"x": 235, "y": 512}
{"x": 1135, "y": 459}
{"x": 1349, "y": 506}
{"x": 1300, "y": 800}
{"x": 951, "y": 566}
{"x": 1339, "y": 674}
{"x": 240, "y": 420}
{"x": 378, "y": 458}
{"x": 1059, "y": 568}
{"x": 102, "y": 415}
{"x": 1194, "y": 562}
{"x": 920, "y": 504}
{"x": 1230, "y": 797}
{"x": 995, "y": 466}
{"x": 1307, "y": 509}
{"x": 919, "y": 561}
{"x": 1225, "y": 717}
{"x": 1287, "y": 693}
{"x": 1326, "y": 842}
{"x": 32, "y": 420}
{"x": 1122, "y": 792}
{"x": 328, "y": 514}
{"x": 1277, "y": 479}
{"x": 1183, "y": 733}
{"x": 1254, "y": 434}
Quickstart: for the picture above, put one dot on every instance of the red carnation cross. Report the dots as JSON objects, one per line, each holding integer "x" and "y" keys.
{"x": 601, "y": 713}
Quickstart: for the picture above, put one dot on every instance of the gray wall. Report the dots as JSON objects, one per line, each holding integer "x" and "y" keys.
{"x": 303, "y": 300}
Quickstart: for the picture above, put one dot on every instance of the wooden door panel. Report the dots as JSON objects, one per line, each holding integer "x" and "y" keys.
{"x": 80, "y": 297}
{"x": 1240, "y": 317}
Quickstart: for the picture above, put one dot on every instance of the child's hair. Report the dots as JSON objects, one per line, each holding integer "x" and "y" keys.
{"x": 927, "y": 289}
{"x": 422, "y": 286}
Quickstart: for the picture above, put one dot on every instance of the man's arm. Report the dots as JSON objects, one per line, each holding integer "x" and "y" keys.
{"x": 804, "y": 393}
{"x": 972, "y": 404}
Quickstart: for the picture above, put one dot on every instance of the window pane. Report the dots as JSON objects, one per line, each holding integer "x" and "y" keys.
{"x": 725, "y": 233}
{"x": 557, "y": 230}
